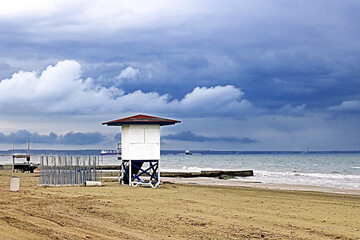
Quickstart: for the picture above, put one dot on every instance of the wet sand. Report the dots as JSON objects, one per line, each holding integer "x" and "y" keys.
{"x": 243, "y": 182}
{"x": 173, "y": 211}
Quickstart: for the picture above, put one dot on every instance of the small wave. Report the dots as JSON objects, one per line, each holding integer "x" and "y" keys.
{"x": 345, "y": 181}
{"x": 304, "y": 174}
{"x": 355, "y": 167}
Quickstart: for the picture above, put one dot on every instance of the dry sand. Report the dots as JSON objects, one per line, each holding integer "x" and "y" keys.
{"x": 173, "y": 211}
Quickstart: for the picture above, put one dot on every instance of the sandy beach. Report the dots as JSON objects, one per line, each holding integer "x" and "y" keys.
{"x": 181, "y": 210}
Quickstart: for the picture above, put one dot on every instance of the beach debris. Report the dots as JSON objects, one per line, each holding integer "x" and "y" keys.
{"x": 93, "y": 184}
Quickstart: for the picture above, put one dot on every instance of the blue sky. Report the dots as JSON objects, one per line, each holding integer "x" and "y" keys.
{"x": 240, "y": 75}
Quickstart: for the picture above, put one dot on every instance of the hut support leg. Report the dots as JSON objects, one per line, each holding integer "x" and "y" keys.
{"x": 152, "y": 171}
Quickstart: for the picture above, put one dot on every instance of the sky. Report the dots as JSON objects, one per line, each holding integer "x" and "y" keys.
{"x": 239, "y": 74}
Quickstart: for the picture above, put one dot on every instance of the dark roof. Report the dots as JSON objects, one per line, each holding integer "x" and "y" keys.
{"x": 141, "y": 119}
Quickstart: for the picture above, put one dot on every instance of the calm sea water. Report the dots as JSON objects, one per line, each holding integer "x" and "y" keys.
{"x": 331, "y": 170}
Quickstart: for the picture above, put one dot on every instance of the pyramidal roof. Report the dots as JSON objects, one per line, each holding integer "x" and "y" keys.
{"x": 141, "y": 119}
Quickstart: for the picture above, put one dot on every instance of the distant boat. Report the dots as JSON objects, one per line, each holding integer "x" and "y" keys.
{"x": 187, "y": 152}
{"x": 109, "y": 152}
{"x": 306, "y": 150}
{"x": 112, "y": 152}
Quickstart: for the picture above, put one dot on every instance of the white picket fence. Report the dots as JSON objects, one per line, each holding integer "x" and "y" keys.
{"x": 69, "y": 170}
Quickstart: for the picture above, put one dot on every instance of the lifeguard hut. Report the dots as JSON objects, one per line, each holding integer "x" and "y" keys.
{"x": 140, "y": 146}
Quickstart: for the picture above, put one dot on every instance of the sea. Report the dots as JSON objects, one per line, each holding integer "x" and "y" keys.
{"x": 327, "y": 169}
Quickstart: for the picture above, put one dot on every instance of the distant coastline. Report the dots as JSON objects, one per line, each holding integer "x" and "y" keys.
{"x": 170, "y": 152}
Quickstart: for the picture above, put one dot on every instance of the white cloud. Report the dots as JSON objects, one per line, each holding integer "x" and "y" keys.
{"x": 60, "y": 89}
{"x": 128, "y": 73}
{"x": 279, "y": 81}
{"x": 24, "y": 87}
{"x": 26, "y": 8}
{"x": 219, "y": 99}
{"x": 347, "y": 106}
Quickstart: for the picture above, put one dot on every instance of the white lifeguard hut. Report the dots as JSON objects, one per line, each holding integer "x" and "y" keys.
{"x": 140, "y": 149}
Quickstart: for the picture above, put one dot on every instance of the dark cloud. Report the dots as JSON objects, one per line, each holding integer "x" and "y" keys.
{"x": 186, "y": 62}
{"x": 298, "y": 43}
{"x": 288, "y": 58}
{"x": 78, "y": 138}
{"x": 117, "y": 137}
{"x": 71, "y": 138}
{"x": 191, "y": 137}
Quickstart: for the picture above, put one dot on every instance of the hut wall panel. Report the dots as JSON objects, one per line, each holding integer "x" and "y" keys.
{"x": 141, "y": 142}
{"x": 125, "y": 142}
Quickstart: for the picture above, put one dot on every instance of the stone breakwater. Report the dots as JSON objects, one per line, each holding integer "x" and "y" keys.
{"x": 214, "y": 173}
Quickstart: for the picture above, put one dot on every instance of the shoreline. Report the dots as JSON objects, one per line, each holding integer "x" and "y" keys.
{"x": 209, "y": 181}
{"x": 206, "y": 181}
{"x": 196, "y": 177}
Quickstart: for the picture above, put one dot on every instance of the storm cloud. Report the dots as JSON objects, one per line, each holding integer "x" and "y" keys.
{"x": 248, "y": 63}
{"x": 191, "y": 137}
{"x": 70, "y": 138}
